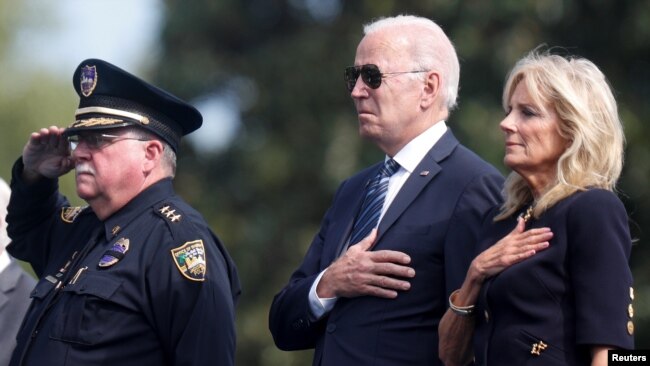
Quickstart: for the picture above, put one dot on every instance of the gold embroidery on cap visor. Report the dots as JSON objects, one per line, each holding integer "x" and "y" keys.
{"x": 144, "y": 120}
{"x": 99, "y": 121}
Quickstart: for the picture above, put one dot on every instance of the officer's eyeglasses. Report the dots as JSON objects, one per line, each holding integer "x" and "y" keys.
{"x": 98, "y": 141}
{"x": 370, "y": 75}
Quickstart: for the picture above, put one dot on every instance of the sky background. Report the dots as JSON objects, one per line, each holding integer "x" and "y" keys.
{"x": 56, "y": 36}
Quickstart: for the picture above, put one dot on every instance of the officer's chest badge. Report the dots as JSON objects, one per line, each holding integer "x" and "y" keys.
{"x": 190, "y": 260}
{"x": 115, "y": 254}
{"x": 88, "y": 80}
{"x": 69, "y": 214}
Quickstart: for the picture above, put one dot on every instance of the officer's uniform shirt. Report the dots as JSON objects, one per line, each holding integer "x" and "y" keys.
{"x": 151, "y": 285}
{"x": 551, "y": 308}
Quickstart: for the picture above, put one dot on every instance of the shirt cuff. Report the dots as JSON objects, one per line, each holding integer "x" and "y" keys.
{"x": 319, "y": 306}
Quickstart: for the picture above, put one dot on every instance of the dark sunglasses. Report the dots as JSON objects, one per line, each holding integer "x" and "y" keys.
{"x": 370, "y": 75}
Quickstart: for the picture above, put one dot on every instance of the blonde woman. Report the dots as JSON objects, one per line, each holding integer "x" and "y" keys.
{"x": 557, "y": 288}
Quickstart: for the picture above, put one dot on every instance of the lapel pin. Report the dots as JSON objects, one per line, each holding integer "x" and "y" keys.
{"x": 424, "y": 173}
{"x": 538, "y": 348}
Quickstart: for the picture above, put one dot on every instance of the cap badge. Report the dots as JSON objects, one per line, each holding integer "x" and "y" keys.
{"x": 88, "y": 80}
{"x": 190, "y": 260}
{"x": 115, "y": 254}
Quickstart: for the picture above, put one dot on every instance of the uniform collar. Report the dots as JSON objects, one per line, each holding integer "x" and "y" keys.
{"x": 143, "y": 201}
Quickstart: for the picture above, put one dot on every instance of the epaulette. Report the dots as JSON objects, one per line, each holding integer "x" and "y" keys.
{"x": 190, "y": 257}
{"x": 69, "y": 214}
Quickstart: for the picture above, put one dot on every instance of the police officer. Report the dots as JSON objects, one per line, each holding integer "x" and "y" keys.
{"x": 136, "y": 277}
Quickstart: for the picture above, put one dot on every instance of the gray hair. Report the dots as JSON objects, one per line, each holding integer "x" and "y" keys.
{"x": 432, "y": 50}
{"x": 168, "y": 157}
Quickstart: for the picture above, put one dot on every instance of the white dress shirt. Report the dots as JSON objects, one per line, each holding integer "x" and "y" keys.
{"x": 4, "y": 259}
{"x": 408, "y": 158}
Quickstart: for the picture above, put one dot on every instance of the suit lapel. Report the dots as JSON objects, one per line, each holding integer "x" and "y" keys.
{"x": 419, "y": 178}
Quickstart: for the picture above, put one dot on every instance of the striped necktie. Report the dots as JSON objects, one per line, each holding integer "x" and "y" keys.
{"x": 373, "y": 203}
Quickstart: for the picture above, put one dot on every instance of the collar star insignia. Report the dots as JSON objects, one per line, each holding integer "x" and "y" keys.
{"x": 116, "y": 229}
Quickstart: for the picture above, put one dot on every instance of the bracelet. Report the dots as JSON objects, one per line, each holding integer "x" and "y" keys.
{"x": 460, "y": 310}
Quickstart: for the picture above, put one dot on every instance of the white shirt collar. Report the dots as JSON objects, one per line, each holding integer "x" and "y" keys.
{"x": 412, "y": 154}
{"x": 4, "y": 260}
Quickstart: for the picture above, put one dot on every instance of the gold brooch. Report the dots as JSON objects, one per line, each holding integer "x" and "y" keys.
{"x": 538, "y": 348}
{"x": 528, "y": 214}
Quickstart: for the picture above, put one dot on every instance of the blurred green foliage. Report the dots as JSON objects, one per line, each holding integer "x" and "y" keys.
{"x": 281, "y": 62}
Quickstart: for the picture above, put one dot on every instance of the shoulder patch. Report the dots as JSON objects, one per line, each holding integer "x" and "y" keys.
{"x": 169, "y": 212}
{"x": 69, "y": 214}
{"x": 190, "y": 260}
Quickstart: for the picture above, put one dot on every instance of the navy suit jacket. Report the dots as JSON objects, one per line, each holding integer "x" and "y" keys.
{"x": 435, "y": 219}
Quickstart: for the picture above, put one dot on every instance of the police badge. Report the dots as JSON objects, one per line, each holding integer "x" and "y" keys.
{"x": 115, "y": 254}
{"x": 88, "y": 80}
{"x": 190, "y": 260}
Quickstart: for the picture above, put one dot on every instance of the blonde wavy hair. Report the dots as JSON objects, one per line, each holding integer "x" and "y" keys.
{"x": 583, "y": 100}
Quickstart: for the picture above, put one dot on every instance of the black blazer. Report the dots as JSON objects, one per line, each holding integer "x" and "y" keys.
{"x": 435, "y": 218}
{"x": 574, "y": 294}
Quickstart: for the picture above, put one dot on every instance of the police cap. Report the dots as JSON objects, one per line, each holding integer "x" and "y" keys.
{"x": 111, "y": 97}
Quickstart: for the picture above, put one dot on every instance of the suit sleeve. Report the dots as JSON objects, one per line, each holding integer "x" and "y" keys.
{"x": 479, "y": 197}
{"x": 289, "y": 318}
{"x": 599, "y": 252}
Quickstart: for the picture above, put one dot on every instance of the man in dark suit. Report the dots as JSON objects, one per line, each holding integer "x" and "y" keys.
{"x": 365, "y": 297}
{"x": 15, "y": 286}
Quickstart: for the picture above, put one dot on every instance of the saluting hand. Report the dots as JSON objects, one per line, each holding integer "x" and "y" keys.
{"x": 361, "y": 271}
{"x": 46, "y": 154}
{"x": 511, "y": 249}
